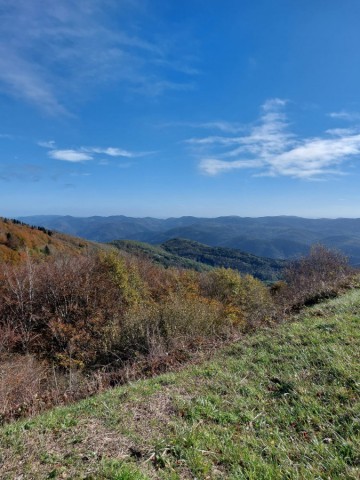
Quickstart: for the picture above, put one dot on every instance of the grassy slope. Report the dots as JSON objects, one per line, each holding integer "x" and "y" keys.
{"x": 281, "y": 404}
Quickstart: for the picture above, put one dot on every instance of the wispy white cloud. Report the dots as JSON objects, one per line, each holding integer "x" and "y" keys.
{"x": 110, "y": 151}
{"x": 213, "y": 140}
{"x": 341, "y": 132}
{"x": 116, "y": 152}
{"x": 270, "y": 148}
{"x": 82, "y": 154}
{"x": 46, "y": 143}
{"x": 25, "y": 79}
{"x": 50, "y": 51}
{"x": 213, "y": 166}
{"x": 273, "y": 104}
{"x": 219, "y": 125}
{"x": 345, "y": 115}
{"x": 70, "y": 155}
{"x": 313, "y": 157}
{"x": 228, "y": 127}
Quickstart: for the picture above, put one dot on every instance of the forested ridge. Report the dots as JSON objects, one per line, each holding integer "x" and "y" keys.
{"x": 183, "y": 253}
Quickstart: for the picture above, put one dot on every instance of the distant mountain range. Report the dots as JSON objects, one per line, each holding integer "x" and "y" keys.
{"x": 17, "y": 239}
{"x": 279, "y": 237}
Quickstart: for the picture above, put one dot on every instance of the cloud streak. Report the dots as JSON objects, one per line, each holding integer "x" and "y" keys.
{"x": 111, "y": 151}
{"x": 269, "y": 148}
{"x": 83, "y": 154}
{"x": 73, "y": 156}
{"x": 344, "y": 115}
{"x": 53, "y": 51}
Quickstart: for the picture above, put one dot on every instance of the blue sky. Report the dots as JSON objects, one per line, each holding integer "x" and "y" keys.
{"x": 169, "y": 108}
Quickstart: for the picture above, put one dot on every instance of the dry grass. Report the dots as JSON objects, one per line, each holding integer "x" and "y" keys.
{"x": 21, "y": 385}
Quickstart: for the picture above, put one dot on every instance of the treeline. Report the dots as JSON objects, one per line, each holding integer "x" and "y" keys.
{"x": 72, "y": 325}
{"x": 33, "y": 227}
{"x": 265, "y": 269}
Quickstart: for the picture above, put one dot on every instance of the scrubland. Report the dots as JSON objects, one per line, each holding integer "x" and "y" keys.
{"x": 279, "y": 403}
{"x": 254, "y": 384}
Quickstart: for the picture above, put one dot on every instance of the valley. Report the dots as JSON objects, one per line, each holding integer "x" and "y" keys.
{"x": 280, "y": 237}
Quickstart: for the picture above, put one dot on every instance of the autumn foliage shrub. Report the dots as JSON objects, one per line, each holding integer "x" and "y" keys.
{"x": 65, "y": 309}
{"x": 321, "y": 274}
{"x": 63, "y": 319}
{"x": 157, "y": 328}
{"x": 83, "y": 311}
{"x": 246, "y": 301}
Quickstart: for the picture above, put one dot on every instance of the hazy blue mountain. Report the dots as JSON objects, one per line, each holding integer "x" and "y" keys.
{"x": 274, "y": 237}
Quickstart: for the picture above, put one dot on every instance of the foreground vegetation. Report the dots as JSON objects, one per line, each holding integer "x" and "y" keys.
{"x": 279, "y": 404}
{"x": 73, "y": 324}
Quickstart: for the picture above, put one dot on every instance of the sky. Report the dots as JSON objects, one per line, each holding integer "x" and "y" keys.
{"x": 184, "y": 107}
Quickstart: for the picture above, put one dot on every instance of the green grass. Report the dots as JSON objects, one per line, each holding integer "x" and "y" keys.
{"x": 280, "y": 404}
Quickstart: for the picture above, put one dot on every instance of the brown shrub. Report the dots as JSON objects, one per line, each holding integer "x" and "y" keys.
{"x": 66, "y": 307}
{"x": 321, "y": 274}
{"x": 9, "y": 339}
{"x": 21, "y": 381}
{"x": 68, "y": 315}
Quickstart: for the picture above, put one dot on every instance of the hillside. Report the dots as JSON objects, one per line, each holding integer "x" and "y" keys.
{"x": 281, "y": 403}
{"x": 182, "y": 253}
{"x": 16, "y": 239}
{"x": 158, "y": 255}
{"x": 260, "y": 267}
{"x": 273, "y": 237}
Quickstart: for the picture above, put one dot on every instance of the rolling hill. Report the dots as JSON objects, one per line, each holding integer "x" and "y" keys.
{"x": 158, "y": 255}
{"x": 185, "y": 253}
{"x": 16, "y": 239}
{"x": 273, "y": 237}
{"x": 260, "y": 267}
